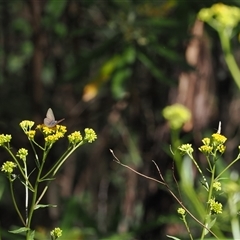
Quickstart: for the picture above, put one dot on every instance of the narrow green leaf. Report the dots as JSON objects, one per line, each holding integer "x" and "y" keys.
{"x": 19, "y": 230}
{"x": 175, "y": 238}
{"x": 44, "y": 206}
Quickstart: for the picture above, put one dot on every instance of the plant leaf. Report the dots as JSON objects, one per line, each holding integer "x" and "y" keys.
{"x": 175, "y": 238}
{"x": 19, "y": 230}
{"x": 44, "y": 206}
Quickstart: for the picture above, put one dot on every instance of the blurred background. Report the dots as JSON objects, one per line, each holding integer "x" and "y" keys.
{"x": 112, "y": 65}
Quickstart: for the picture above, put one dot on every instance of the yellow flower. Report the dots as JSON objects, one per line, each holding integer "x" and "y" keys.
{"x": 8, "y": 167}
{"x": 181, "y": 211}
{"x": 90, "y": 135}
{"x": 220, "y": 16}
{"x": 221, "y": 148}
{"x": 176, "y": 115}
{"x": 46, "y": 130}
{"x": 31, "y": 134}
{"x": 206, "y": 141}
{"x": 75, "y": 137}
{"x": 56, "y": 233}
{"x": 186, "y": 148}
{"x": 218, "y": 139}
{"x": 217, "y": 186}
{"x": 26, "y": 125}
{"x": 215, "y": 206}
{"x": 22, "y": 153}
{"x": 206, "y": 149}
{"x": 5, "y": 139}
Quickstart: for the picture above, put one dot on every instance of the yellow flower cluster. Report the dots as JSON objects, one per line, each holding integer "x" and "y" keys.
{"x": 186, "y": 148}
{"x": 5, "y": 139}
{"x": 215, "y": 144}
{"x": 52, "y": 134}
{"x": 90, "y": 135}
{"x": 181, "y": 211}
{"x": 56, "y": 233}
{"x": 8, "y": 167}
{"x": 220, "y": 16}
{"x": 176, "y": 115}
{"x": 22, "y": 153}
{"x": 215, "y": 206}
{"x": 26, "y": 125}
{"x": 75, "y": 138}
{"x": 217, "y": 186}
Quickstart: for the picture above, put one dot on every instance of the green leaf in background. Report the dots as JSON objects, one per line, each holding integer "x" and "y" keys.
{"x": 55, "y": 8}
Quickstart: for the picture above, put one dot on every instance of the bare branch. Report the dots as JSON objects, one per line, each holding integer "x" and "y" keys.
{"x": 163, "y": 182}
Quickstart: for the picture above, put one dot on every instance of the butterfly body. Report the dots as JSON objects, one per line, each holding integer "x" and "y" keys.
{"x": 49, "y": 120}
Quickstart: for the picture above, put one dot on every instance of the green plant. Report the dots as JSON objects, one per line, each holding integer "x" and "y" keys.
{"x": 224, "y": 19}
{"x": 208, "y": 200}
{"x": 32, "y": 178}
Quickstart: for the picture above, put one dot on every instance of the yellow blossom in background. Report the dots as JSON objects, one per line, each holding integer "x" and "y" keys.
{"x": 217, "y": 186}
{"x": 176, "y": 115}
{"x": 8, "y": 167}
{"x": 5, "y": 139}
{"x": 220, "y": 16}
{"x": 56, "y": 233}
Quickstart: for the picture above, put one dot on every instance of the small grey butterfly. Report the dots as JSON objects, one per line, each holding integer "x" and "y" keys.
{"x": 50, "y": 121}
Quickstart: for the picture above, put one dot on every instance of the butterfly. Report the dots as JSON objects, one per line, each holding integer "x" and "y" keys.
{"x": 50, "y": 121}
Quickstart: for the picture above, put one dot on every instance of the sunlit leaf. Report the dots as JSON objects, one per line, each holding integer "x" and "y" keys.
{"x": 44, "y": 206}
{"x": 19, "y": 230}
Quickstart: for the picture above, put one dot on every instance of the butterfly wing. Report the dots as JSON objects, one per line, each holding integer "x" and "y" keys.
{"x": 49, "y": 121}
{"x": 50, "y": 114}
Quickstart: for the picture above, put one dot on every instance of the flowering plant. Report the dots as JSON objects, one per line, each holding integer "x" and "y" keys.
{"x": 224, "y": 19}
{"x": 206, "y": 202}
{"x": 19, "y": 161}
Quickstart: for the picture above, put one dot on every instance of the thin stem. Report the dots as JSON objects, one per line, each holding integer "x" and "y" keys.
{"x": 199, "y": 169}
{"x": 35, "y": 153}
{"x": 14, "y": 201}
{"x": 187, "y": 227}
{"x": 209, "y": 197}
{"x": 163, "y": 182}
{"x": 33, "y": 205}
{"x": 20, "y": 168}
{"x": 225, "y": 169}
{"x": 229, "y": 58}
{"x": 26, "y": 191}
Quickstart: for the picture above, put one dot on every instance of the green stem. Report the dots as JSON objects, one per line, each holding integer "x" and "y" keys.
{"x": 26, "y": 192}
{"x": 20, "y": 169}
{"x": 33, "y": 205}
{"x": 225, "y": 169}
{"x": 187, "y": 227}
{"x": 175, "y": 143}
{"x": 14, "y": 201}
{"x": 61, "y": 160}
{"x": 209, "y": 197}
{"x": 229, "y": 58}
